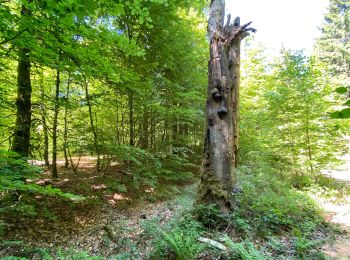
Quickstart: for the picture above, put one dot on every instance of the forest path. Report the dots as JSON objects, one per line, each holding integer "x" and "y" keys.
{"x": 341, "y": 209}
{"x": 339, "y": 212}
{"x": 128, "y": 233}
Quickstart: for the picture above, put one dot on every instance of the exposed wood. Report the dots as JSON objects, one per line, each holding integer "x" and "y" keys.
{"x": 212, "y": 243}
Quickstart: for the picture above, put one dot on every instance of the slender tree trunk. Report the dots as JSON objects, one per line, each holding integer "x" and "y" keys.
{"x": 175, "y": 135}
{"x": 131, "y": 119}
{"x": 117, "y": 133}
{"x": 21, "y": 136}
{"x": 54, "y": 130}
{"x": 164, "y": 140}
{"x": 46, "y": 140}
{"x": 43, "y": 119}
{"x": 153, "y": 131}
{"x": 221, "y": 112}
{"x": 93, "y": 129}
{"x": 144, "y": 132}
{"x": 65, "y": 135}
{"x": 123, "y": 137}
{"x": 308, "y": 145}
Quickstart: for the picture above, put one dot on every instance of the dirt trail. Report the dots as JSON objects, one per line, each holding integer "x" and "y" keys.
{"x": 339, "y": 212}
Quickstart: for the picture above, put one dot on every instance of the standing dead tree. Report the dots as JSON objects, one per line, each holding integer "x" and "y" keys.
{"x": 221, "y": 136}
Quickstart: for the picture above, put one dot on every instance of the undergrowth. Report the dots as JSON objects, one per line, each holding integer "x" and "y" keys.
{"x": 24, "y": 252}
{"x": 271, "y": 220}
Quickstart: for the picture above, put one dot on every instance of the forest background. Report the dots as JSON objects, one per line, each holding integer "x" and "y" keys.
{"x": 122, "y": 84}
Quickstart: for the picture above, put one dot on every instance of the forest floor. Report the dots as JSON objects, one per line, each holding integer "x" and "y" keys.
{"x": 113, "y": 220}
{"x": 118, "y": 220}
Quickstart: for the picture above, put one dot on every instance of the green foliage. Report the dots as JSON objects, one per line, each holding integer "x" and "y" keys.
{"x": 50, "y": 254}
{"x": 344, "y": 113}
{"x": 73, "y": 254}
{"x": 148, "y": 168}
{"x": 243, "y": 250}
{"x": 270, "y": 206}
{"x": 333, "y": 48}
{"x": 285, "y": 115}
{"x": 116, "y": 186}
{"x": 14, "y": 171}
{"x": 16, "y": 192}
{"x": 341, "y": 90}
{"x": 270, "y": 210}
{"x": 179, "y": 238}
{"x": 209, "y": 215}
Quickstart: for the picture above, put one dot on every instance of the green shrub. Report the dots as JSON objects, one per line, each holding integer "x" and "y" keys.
{"x": 16, "y": 194}
{"x": 210, "y": 216}
{"x": 14, "y": 171}
{"x": 72, "y": 254}
{"x": 51, "y": 254}
{"x": 149, "y": 168}
{"x": 269, "y": 206}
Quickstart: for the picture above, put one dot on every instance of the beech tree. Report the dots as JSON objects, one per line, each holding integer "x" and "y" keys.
{"x": 221, "y": 130}
{"x": 21, "y": 136}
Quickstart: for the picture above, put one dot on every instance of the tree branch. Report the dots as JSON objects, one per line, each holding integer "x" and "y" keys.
{"x": 13, "y": 37}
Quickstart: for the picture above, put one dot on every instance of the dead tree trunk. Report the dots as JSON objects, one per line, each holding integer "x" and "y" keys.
{"x": 222, "y": 107}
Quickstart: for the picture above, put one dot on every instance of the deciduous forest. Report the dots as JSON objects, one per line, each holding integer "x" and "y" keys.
{"x": 156, "y": 129}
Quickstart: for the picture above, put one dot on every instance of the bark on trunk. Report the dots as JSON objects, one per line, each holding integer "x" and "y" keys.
{"x": 93, "y": 128}
{"x": 43, "y": 119}
{"x": 54, "y": 130}
{"x": 131, "y": 119}
{"x": 65, "y": 135}
{"x": 222, "y": 108}
{"x": 21, "y": 136}
{"x": 144, "y": 132}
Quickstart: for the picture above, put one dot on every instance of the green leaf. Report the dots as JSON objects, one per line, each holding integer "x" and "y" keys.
{"x": 341, "y": 90}
{"x": 345, "y": 113}
{"x": 347, "y": 103}
{"x": 335, "y": 115}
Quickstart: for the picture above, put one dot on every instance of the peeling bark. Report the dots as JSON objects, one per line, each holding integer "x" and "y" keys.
{"x": 221, "y": 137}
